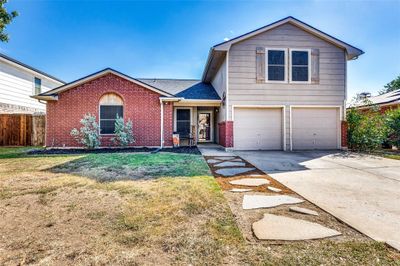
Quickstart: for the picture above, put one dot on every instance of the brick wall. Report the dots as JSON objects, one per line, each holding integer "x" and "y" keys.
{"x": 141, "y": 105}
{"x": 344, "y": 133}
{"x": 225, "y": 133}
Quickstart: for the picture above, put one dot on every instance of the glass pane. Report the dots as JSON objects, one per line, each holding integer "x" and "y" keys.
{"x": 276, "y": 73}
{"x": 183, "y": 127}
{"x": 38, "y": 85}
{"x": 276, "y": 57}
{"x": 300, "y": 73}
{"x": 110, "y": 111}
{"x": 183, "y": 114}
{"x": 107, "y": 126}
{"x": 300, "y": 58}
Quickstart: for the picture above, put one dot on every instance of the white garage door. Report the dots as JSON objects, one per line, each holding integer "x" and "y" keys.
{"x": 315, "y": 128}
{"x": 257, "y": 129}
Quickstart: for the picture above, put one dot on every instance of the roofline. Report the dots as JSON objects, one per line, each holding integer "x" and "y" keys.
{"x": 282, "y": 21}
{"x": 30, "y": 68}
{"x": 390, "y": 103}
{"x": 94, "y": 75}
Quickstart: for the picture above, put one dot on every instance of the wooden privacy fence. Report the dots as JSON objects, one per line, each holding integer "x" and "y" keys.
{"x": 22, "y": 130}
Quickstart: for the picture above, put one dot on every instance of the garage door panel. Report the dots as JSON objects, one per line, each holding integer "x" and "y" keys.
{"x": 258, "y": 129}
{"x": 315, "y": 128}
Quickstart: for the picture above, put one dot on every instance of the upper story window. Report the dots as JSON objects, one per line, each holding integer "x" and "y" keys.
{"x": 111, "y": 105}
{"x": 276, "y": 65}
{"x": 38, "y": 86}
{"x": 300, "y": 65}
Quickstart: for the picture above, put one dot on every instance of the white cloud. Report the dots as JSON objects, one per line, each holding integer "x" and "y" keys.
{"x": 226, "y": 39}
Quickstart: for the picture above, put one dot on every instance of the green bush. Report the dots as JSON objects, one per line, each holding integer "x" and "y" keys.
{"x": 123, "y": 132}
{"x": 367, "y": 130}
{"x": 392, "y": 120}
{"x": 88, "y": 134}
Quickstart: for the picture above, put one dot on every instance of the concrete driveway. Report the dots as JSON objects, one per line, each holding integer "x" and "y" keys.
{"x": 363, "y": 191}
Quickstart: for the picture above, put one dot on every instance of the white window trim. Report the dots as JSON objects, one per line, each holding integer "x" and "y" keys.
{"x": 285, "y": 68}
{"x": 108, "y": 134}
{"x": 175, "y": 116}
{"x": 309, "y": 66}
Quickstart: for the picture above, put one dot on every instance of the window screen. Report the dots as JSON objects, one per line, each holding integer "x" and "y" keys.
{"x": 183, "y": 121}
{"x": 38, "y": 86}
{"x": 299, "y": 65}
{"x": 276, "y": 65}
{"x": 108, "y": 115}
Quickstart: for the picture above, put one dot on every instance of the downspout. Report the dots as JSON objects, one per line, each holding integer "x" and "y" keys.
{"x": 162, "y": 124}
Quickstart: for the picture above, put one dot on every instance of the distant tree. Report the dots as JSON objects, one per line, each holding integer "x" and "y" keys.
{"x": 5, "y": 19}
{"x": 391, "y": 86}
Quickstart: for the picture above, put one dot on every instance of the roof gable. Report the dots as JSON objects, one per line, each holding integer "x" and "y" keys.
{"x": 53, "y": 94}
{"x": 352, "y": 51}
{"x": 218, "y": 52}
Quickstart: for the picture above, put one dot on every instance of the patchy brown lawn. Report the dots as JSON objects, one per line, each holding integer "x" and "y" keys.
{"x": 63, "y": 210}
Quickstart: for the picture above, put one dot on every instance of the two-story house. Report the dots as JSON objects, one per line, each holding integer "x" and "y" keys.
{"x": 18, "y": 82}
{"x": 280, "y": 87}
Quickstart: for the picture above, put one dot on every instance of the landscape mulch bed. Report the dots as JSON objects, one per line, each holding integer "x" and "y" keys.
{"x": 186, "y": 150}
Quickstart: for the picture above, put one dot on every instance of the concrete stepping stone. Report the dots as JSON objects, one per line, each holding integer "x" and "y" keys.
{"x": 236, "y": 160}
{"x": 261, "y": 201}
{"x": 250, "y": 182}
{"x": 224, "y": 158}
{"x": 233, "y": 171}
{"x": 257, "y": 175}
{"x": 240, "y": 190}
{"x": 275, "y": 227}
{"x": 274, "y": 189}
{"x": 303, "y": 211}
{"x": 213, "y": 161}
{"x": 229, "y": 164}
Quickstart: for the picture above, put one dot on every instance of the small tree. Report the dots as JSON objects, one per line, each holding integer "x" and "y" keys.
{"x": 391, "y": 86}
{"x": 88, "y": 134}
{"x": 123, "y": 132}
{"x": 393, "y": 125}
{"x": 367, "y": 130}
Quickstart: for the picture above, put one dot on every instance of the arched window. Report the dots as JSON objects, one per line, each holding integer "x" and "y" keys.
{"x": 111, "y": 105}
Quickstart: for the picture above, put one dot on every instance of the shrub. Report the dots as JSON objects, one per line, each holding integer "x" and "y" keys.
{"x": 123, "y": 132}
{"x": 392, "y": 120}
{"x": 88, "y": 134}
{"x": 367, "y": 130}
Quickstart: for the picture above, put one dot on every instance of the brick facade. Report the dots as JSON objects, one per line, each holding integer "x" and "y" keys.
{"x": 141, "y": 105}
{"x": 344, "y": 134}
{"x": 225, "y": 132}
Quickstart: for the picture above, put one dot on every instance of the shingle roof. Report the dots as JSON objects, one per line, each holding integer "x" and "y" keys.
{"x": 30, "y": 68}
{"x": 390, "y": 97}
{"x": 186, "y": 88}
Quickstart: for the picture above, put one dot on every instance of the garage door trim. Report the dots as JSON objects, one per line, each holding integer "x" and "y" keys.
{"x": 339, "y": 139}
{"x": 283, "y": 107}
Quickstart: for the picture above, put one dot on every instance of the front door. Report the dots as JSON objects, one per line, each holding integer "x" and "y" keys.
{"x": 205, "y": 126}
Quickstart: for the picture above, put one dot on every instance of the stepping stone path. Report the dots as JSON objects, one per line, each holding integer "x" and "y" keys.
{"x": 274, "y": 227}
{"x": 274, "y": 189}
{"x": 240, "y": 190}
{"x": 229, "y": 164}
{"x": 303, "y": 211}
{"x": 233, "y": 171}
{"x": 236, "y": 160}
{"x": 261, "y": 201}
{"x": 213, "y": 161}
{"x": 250, "y": 182}
{"x": 225, "y": 158}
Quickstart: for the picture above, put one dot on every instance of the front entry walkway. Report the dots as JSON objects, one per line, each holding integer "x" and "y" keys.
{"x": 363, "y": 191}
{"x": 212, "y": 149}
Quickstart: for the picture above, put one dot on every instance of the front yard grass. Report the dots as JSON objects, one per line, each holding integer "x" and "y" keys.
{"x": 134, "y": 209}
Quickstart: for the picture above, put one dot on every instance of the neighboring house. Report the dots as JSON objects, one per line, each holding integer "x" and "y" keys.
{"x": 280, "y": 87}
{"x": 18, "y": 82}
{"x": 387, "y": 101}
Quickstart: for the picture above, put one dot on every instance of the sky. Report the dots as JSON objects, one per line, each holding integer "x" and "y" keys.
{"x": 171, "y": 39}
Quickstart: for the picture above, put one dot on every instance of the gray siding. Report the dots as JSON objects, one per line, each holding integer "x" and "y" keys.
{"x": 243, "y": 89}
{"x": 219, "y": 83}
